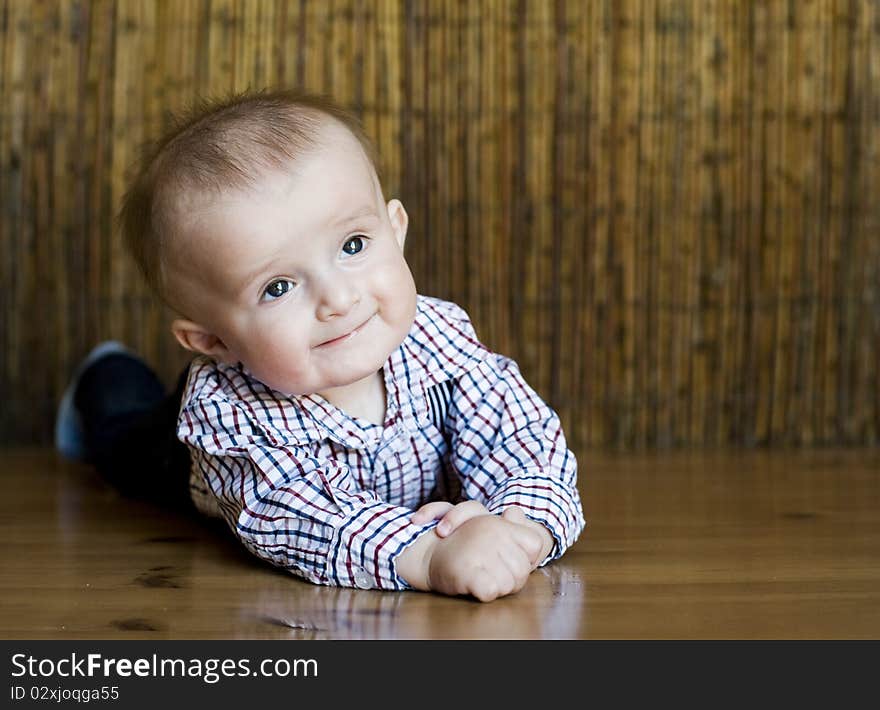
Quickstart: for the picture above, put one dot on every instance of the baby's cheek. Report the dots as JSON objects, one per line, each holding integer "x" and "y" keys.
{"x": 395, "y": 283}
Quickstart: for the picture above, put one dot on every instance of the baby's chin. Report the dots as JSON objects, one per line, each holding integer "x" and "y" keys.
{"x": 321, "y": 380}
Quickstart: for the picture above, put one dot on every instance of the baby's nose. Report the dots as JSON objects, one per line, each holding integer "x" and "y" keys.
{"x": 337, "y": 299}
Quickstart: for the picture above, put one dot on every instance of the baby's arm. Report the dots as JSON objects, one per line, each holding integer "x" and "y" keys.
{"x": 300, "y": 512}
{"x": 509, "y": 451}
{"x": 487, "y": 556}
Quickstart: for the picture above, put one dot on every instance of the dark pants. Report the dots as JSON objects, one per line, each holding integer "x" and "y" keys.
{"x": 137, "y": 450}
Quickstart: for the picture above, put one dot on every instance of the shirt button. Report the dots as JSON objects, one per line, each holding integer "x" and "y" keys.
{"x": 362, "y": 579}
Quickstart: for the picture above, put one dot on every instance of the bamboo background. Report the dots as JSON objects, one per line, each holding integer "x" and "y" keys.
{"x": 666, "y": 211}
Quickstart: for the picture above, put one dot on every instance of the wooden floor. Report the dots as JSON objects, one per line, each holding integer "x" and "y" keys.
{"x": 682, "y": 545}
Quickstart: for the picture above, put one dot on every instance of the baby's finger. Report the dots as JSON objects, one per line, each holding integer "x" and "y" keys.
{"x": 431, "y": 511}
{"x": 459, "y": 514}
{"x": 484, "y": 586}
{"x": 518, "y": 564}
{"x": 530, "y": 542}
{"x": 515, "y": 514}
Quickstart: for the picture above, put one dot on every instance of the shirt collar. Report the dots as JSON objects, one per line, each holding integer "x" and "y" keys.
{"x": 440, "y": 346}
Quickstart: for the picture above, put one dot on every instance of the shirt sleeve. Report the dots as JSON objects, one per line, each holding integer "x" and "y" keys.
{"x": 299, "y": 512}
{"x": 508, "y": 449}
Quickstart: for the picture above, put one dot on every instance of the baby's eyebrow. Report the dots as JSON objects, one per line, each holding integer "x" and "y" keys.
{"x": 365, "y": 211}
{"x": 253, "y": 276}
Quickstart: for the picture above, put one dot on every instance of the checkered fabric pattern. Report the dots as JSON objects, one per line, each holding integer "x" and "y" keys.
{"x": 330, "y": 497}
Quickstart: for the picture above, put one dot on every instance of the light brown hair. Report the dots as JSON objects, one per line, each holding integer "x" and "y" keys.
{"x": 219, "y": 144}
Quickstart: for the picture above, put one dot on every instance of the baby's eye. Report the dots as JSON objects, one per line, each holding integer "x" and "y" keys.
{"x": 358, "y": 240}
{"x": 278, "y": 288}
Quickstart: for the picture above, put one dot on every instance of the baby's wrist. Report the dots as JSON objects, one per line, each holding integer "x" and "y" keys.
{"x": 549, "y": 542}
{"x": 414, "y": 562}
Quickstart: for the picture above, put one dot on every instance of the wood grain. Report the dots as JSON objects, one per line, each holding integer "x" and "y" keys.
{"x": 664, "y": 210}
{"x": 678, "y": 545}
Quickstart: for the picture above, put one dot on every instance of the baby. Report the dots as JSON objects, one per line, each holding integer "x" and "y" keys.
{"x": 346, "y": 428}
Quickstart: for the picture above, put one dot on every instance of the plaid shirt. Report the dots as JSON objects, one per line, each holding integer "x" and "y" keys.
{"x": 329, "y": 497}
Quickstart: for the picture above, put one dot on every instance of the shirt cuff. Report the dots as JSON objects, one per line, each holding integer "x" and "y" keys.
{"x": 364, "y": 550}
{"x": 546, "y": 501}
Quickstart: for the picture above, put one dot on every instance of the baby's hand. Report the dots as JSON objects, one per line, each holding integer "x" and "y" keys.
{"x": 488, "y": 556}
{"x": 450, "y": 516}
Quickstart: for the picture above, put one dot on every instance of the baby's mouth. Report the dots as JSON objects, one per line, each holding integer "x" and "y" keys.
{"x": 346, "y": 336}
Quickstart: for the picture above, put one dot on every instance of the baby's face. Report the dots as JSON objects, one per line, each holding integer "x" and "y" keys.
{"x": 301, "y": 279}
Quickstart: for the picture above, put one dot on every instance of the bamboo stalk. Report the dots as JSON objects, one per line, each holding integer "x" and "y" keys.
{"x": 664, "y": 210}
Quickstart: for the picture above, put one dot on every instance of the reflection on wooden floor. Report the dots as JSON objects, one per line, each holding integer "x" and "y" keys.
{"x": 678, "y": 545}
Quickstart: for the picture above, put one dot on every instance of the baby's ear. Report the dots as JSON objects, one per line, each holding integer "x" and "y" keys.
{"x": 399, "y": 221}
{"x": 194, "y": 337}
